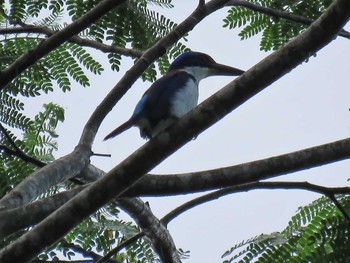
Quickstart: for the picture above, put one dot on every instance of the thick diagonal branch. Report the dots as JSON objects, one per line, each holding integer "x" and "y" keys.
{"x": 152, "y": 227}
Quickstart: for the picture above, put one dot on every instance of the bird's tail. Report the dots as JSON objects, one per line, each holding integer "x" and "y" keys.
{"x": 125, "y": 126}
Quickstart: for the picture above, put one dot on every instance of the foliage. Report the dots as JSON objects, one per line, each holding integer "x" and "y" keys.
{"x": 101, "y": 232}
{"x": 275, "y": 31}
{"x": 132, "y": 24}
{"x": 317, "y": 233}
{"x": 38, "y": 141}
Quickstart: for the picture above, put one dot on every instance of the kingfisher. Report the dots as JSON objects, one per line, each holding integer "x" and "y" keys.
{"x": 174, "y": 94}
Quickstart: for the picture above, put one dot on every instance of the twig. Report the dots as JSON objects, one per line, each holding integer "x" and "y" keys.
{"x": 101, "y": 154}
{"x": 339, "y": 206}
{"x": 327, "y": 191}
{"x": 96, "y": 257}
{"x": 17, "y": 151}
{"x": 120, "y": 247}
{"x": 26, "y": 28}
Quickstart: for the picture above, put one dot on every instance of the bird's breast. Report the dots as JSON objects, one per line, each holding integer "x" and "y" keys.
{"x": 185, "y": 99}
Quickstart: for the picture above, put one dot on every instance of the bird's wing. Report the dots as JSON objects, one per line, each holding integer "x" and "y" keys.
{"x": 158, "y": 97}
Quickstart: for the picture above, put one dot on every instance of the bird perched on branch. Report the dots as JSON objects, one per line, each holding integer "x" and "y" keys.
{"x": 173, "y": 95}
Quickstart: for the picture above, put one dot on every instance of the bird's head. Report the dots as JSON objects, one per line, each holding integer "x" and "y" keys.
{"x": 201, "y": 65}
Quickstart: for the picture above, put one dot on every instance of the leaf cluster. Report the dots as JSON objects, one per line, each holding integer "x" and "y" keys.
{"x": 317, "y": 233}
{"x": 100, "y": 233}
{"x": 275, "y": 31}
{"x": 38, "y": 142}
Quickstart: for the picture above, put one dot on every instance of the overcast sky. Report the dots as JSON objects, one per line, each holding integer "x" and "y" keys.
{"x": 307, "y": 107}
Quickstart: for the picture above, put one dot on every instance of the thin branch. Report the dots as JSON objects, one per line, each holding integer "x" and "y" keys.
{"x": 327, "y": 191}
{"x": 121, "y": 246}
{"x": 17, "y": 151}
{"x": 173, "y": 184}
{"x": 45, "y": 47}
{"x": 8, "y": 138}
{"x": 26, "y": 28}
{"x": 279, "y": 14}
{"x": 332, "y": 197}
{"x": 84, "y": 253}
{"x": 101, "y": 154}
{"x": 160, "y": 237}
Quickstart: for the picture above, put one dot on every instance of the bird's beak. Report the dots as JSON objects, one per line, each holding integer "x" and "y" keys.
{"x": 223, "y": 70}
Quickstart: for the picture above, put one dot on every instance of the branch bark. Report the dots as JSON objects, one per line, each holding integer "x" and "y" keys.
{"x": 48, "y": 176}
{"x": 17, "y": 151}
{"x": 26, "y": 216}
{"x": 160, "y": 237}
{"x": 156, "y": 185}
{"x": 93, "y": 255}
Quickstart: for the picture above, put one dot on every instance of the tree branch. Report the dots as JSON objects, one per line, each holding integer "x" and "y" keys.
{"x": 160, "y": 237}
{"x": 338, "y": 205}
{"x": 236, "y": 189}
{"x": 33, "y": 55}
{"x": 26, "y": 28}
{"x": 327, "y": 191}
{"x": 84, "y": 253}
{"x": 122, "y": 245}
{"x": 26, "y": 216}
{"x": 279, "y": 14}
{"x": 46, "y": 177}
{"x": 17, "y": 151}
{"x": 170, "y": 184}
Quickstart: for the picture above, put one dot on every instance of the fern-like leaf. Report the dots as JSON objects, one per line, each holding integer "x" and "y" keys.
{"x": 317, "y": 233}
